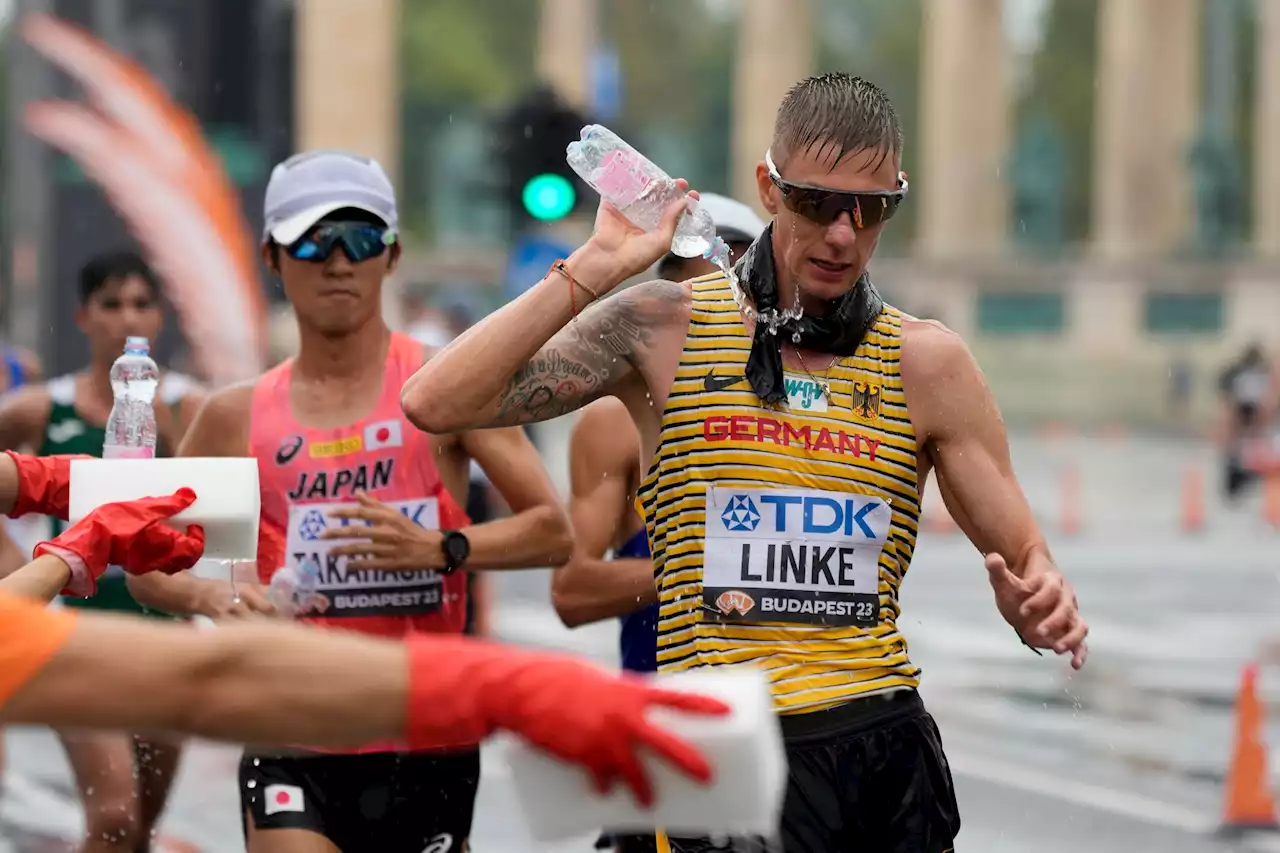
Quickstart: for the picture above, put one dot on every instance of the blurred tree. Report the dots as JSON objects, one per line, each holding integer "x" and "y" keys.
{"x": 879, "y": 40}
{"x": 676, "y": 59}
{"x": 460, "y": 58}
{"x": 1060, "y": 95}
{"x": 467, "y": 52}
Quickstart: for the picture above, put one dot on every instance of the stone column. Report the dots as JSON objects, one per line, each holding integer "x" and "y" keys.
{"x": 566, "y": 40}
{"x": 1266, "y": 148}
{"x": 348, "y": 86}
{"x": 775, "y": 51}
{"x": 1146, "y": 116}
{"x": 963, "y": 192}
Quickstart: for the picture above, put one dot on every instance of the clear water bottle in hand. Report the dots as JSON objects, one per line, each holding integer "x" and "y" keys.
{"x": 131, "y": 428}
{"x": 640, "y": 190}
{"x": 291, "y": 590}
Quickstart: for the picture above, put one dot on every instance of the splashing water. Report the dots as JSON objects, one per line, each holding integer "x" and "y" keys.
{"x": 718, "y": 253}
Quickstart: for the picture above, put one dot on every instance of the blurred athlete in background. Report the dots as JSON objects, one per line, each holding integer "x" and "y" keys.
{"x": 123, "y": 781}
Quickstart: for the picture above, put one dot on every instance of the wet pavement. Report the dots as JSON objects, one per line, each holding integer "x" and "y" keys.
{"x": 1127, "y": 755}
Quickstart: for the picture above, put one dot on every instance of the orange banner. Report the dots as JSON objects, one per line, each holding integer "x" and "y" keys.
{"x": 148, "y": 156}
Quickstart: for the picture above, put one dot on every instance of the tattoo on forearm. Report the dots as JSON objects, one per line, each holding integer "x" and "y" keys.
{"x": 587, "y": 356}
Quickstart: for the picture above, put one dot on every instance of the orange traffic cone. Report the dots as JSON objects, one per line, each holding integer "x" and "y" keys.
{"x": 1271, "y": 499}
{"x": 1192, "y": 500}
{"x": 1249, "y": 804}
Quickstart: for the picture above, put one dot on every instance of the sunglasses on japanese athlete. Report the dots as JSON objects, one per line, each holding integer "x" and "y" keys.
{"x": 360, "y": 241}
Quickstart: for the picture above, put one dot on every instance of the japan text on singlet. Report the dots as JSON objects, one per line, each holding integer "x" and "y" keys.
{"x": 307, "y": 473}
{"x": 780, "y": 536}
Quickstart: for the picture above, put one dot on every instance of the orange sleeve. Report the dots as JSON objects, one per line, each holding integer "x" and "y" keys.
{"x": 30, "y": 634}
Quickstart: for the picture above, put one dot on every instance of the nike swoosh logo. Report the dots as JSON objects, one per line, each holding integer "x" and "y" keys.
{"x": 713, "y": 383}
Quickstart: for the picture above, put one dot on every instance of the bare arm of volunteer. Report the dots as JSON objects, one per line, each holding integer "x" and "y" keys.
{"x": 535, "y": 359}
{"x": 217, "y": 684}
{"x": 953, "y": 408}
{"x": 270, "y": 684}
{"x": 603, "y": 458}
{"x": 220, "y": 428}
{"x": 41, "y": 579}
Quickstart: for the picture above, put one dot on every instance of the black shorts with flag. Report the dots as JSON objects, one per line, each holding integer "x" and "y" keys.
{"x": 389, "y": 802}
{"x": 866, "y": 775}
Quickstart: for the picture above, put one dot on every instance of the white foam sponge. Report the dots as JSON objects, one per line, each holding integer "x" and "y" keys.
{"x": 227, "y": 497}
{"x": 745, "y": 750}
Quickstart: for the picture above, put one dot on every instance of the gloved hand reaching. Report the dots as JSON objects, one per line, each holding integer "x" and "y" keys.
{"x": 461, "y": 690}
{"x": 44, "y": 484}
{"x": 130, "y": 534}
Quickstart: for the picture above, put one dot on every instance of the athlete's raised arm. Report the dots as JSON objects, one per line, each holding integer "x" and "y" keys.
{"x": 604, "y": 457}
{"x": 542, "y": 355}
{"x": 954, "y": 410}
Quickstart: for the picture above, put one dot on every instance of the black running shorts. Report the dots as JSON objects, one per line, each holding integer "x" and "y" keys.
{"x": 868, "y": 775}
{"x": 389, "y": 802}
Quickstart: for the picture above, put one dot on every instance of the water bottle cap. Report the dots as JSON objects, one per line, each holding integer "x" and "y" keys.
{"x": 132, "y": 344}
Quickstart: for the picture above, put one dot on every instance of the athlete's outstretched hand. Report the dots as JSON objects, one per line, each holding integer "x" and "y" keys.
{"x": 627, "y": 249}
{"x": 1043, "y": 609}
{"x": 463, "y": 690}
{"x": 130, "y": 534}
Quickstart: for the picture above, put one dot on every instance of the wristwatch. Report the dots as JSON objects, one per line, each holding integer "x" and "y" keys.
{"x": 457, "y": 547}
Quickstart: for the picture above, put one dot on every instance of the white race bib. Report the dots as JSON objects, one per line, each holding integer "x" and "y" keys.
{"x": 793, "y": 555}
{"x": 340, "y": 592}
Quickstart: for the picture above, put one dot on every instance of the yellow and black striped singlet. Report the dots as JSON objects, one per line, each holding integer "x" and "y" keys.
{"x": 715, "y": 439}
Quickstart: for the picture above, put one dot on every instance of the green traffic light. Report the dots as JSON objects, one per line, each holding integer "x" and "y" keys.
{"x": 548, "y": 197}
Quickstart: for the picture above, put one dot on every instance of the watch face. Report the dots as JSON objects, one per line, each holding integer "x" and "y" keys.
{"x": 456, "y": 548}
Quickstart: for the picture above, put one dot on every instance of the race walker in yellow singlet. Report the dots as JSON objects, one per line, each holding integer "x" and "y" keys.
{"x": 780, "y": 536}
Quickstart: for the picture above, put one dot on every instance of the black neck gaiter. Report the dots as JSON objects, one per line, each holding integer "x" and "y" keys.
{"x": 838, "y": 333}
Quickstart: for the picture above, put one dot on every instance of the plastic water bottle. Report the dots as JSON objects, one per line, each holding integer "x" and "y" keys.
{"x": 291, "y": 589}
{"x": 641, "y": 191}
{"x": 131, "y": 428}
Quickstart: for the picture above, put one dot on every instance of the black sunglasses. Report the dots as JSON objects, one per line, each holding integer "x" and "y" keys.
{"x": 824, "y": 206}
{"x": 360, "y": 241}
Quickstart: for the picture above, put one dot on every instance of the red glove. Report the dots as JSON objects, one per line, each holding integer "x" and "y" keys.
{"x": 130, "y": 534}
{"x": 462, "y": 690}
{"x": 44, "y": 484}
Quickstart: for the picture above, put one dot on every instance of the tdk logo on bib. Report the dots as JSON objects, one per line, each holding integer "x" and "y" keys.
{"x": 312, "y": 525}
{"x": 740, "y": 514}
{"x": 794, "y": 555}
{"x": 804, "y": 514}
{"x": 361, "y": 592}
